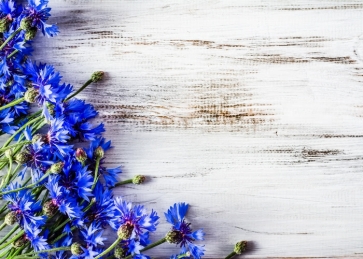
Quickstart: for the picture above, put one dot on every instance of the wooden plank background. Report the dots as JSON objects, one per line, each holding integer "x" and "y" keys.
{"x": 249, "y": 110}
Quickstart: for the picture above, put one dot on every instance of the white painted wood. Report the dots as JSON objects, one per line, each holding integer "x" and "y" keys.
{"x": 251, "y": 111}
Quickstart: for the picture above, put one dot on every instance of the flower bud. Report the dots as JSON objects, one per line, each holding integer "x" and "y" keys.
{"x": 50, "y": 108}
{"x": 240, "y": 247}
{"x": 120, "y": 252}
{"x": 30, "y": 34}
{"x": 76, "y": 249}
{"x": 124, "y": 232}
{"x": 26, "y": 24}
{"x": 49, "y": 208}
{"x": 9, "y": 153}
{"x": 138, "y": 179}
{"x": 31, "y": 95}
{"x": 97, "y": 76}
{"x": 20, "y": 242}
{"x": 4, "y": 24}
{"x": 22, "y": 157}
{"x": 174, "y": 237}
{"x": 99, "y": 153}
{"x": 11, "y": 218}
{"x": 57, "y": 168}
{"x": 81, "y": 155}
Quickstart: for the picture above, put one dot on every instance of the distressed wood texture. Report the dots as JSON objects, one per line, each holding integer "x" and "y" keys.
{"x": 251, "y": 111}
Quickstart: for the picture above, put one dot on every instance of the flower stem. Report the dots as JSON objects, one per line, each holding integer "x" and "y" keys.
{"x": 15, "y": 145}
{"x": 13, "y": 53}
{"x": 9, "y": 234}
{"x": 10, "y": 37}
{"x": 230, "y": 255}
{"x": 27, "y": 186}
{"x": 89, "y": 81}
{"x": 13, "y": 239}
{"x": 110, "y": 248}
{"x": 13, "y": 103}
{"x": 2, "y": 226}
{"x": 9, "y": 174}
{"x": 6, "y": 252}
{"x": 62, "y": 248}
{"x": 123, "y": 182}
{"x": 96, "y": 173}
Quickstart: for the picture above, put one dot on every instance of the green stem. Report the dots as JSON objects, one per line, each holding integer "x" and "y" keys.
{"x": 13, "y": 103}
{"x": 2, "y": 226}
{"x": 63, "y": 235}
{"x": 35, "y": 120}
{"x": 10, "y": 37}
{"x": 13, "y": 175}
{"x": 9, "y": 234}
{"x": 9, "y": 174}
{"x": 109, "y": 249}
{"x": 5, "y": 252}
{"x": 15, "y": 145}
{"x": 230, "y": 255}
{"x": 96, "y": 173}
{"x": 123, "y": 182}
{"x": 12, "y": 240}
{"x": 80, "y": 89}
{"x": 62, "y": 248}
{"x": 27, "y": 186}
{"x": 13, "y": 53}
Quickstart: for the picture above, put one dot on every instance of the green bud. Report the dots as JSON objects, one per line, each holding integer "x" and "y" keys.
{"x": 4, "y": 24}
{"x": 9, "y": 153}
{"x": 99, "y": 153}
{"x": 76, "y": 249}
{"x": 57, "y": 168}
{"x": 97, "y": 76}
{"x": 174, "y": 237}
{"x": 31, "y": 95}
{"x": 50, "y": 108}
{"x": 30, "y": 34}
{"x": 120, "y": 252}
{"x": 11, "y": 218}
{"x": 124, "y": 232}
{"x": 138, "y": 179}
{"x": 20, "y": 242}
{"x": 240, "y": 247}
{"x": 81, "y": 155}
{"x": 49, "y": 208}
{"x": 22, "y": 157}
{"x": 26, "y": 24}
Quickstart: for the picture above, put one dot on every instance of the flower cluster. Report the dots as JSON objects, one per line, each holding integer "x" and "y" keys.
{"x": 59, "y": 196}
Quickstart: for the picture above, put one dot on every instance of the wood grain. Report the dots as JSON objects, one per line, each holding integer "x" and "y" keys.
{"x": 251, "y": 111}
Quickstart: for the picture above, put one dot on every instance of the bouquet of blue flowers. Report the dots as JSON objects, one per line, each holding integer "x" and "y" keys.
{"x": 56, "y": 192}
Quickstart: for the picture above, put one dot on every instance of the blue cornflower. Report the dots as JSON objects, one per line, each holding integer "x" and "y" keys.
{"x": 57, "y": 137}
{"x": 92, "y": 235}
{"x": 24, "y": 205}
{"x": 38, "y": 242}
{"x": 103, "y": 212}
{"x": 8, "y": 9}
{"x": 60, "y": 200}
{"x": 181, "y": 232}
{"x": 109, "y": 174}
{"x": 135, "y": 218}
{"x": 89, "y": 252}
{"x": 38, "y": 13}
{"x": 67, "y": 241}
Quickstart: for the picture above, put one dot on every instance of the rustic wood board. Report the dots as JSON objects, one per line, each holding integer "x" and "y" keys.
{"x": 251, "y": 111}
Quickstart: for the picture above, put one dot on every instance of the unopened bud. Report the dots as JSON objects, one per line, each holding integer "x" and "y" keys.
{"x": 174, "y": 237}
{"x": 49, "y": 208}
{"x": 56, "y": 168}
{"x": 124, "y": 232}
{"x": 22, "y": 157}
{"x": 11, "y": 218}
{"x": 31, "y": 95}
{"x": 81, "y": 155}
{"x": 120, "y": 252}
{"x": 9, "y": 153}
{"x": 99, "y": 153}
{"x": 20, "y": 242}
{"x": 97, "y": 76}
{"x": 26, "y": 24}
{"x": 240, "y": 247}
{"x": 76, "y": 249}
{"x": 50, "y": 108}
{"x": 30, "y": 34}
{"x": 138, "y": 179}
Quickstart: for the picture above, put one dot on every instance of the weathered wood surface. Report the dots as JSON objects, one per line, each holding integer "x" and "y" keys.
{"x": 251, "y": 111}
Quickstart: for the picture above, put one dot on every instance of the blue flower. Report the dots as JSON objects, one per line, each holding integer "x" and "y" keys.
{"x": 38, "y": 242}
{"x": 57, "y": 138}
{"x": 39, "y": 14}
{"x": 175, "y": 216}
{"x": 92, "y": 235}
{"x": 136, "y": 217}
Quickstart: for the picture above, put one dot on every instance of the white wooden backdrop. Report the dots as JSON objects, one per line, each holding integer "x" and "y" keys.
{"x": 251, "y": 111}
